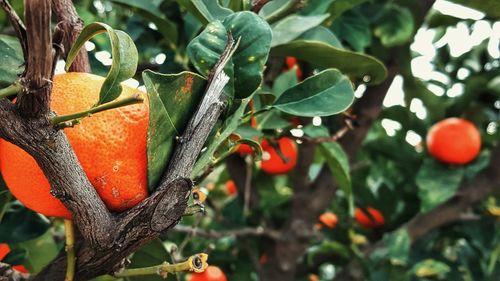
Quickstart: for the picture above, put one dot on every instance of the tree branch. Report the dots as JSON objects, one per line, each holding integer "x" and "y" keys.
{"x": 150, "y": 218}
{"x": 212, "y": 234}
{"x": 70, "y": 25}
{"x": 34, "y": 99}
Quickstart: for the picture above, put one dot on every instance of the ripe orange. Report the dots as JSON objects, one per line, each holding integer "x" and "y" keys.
{"x": 212, "y": 273}
{"x": 110, "y": 145}
{"x": 231, "y": 187}
{"x": 4, "y": 250}
{"x": 291, "y": 62}
{"x": 454, "y": 141}
{"x": 372, "y": 219}
{"x": 274, "y": 164}
{"x": 329, "y": 219}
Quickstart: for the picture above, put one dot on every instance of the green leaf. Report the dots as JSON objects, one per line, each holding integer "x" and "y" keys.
{"x": 152, "y": 254}
{"x": 336, "y": 159}
{"x": 353, "y": 28}
{"x": 437, "y": 183}
{"x": 284, "y": 81}
{"x": 293, "y": 26}
{"x": 205, "y": 50}
{"x": 338, "y": 7}
{"x": 322, "y": 34}
{"x": 124, "y": 55}
{"x": 15, "y": 257}
{"x": 173, "y": 98}
{"x": 274, "y": 8}
{"x": 205, "y": 10}
{"x": 398, "y": 243}
{"x": 249, "y": 58}
{"x": 41, "y": 251}
{"x": 430, "y": 268}
{"x": 151, "y": 12}
{"x": 395, "y": 27}
{"x": 327, "y": 93}
{"x": 20, "y": 224}
{"x": 11, "y": 60}
{"x": 325, "y": 55}
{"x": 230, "y": 125}
{"x": 5, "y": 198}
{"x": 489, "y": 7}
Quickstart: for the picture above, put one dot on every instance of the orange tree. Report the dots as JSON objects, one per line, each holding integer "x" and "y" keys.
{"x": 282, "y": 99}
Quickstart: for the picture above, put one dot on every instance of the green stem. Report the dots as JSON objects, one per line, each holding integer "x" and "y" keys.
{"x": 57, "y": 120}
{"x": 282, "y": 12}
{"x": 70, "y": 250}
{"x": 195, "y": 263}
{"x": 10, "y": 91}
{"x": 245, "y": 118}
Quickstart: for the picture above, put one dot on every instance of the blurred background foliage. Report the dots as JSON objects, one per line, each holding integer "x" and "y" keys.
{"x": 448, "y": 66}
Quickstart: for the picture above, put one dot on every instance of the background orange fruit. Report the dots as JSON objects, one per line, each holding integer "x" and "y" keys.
{"x": 111, "y": 147}
{"x": 329, "y": 219}
{"x": 4, "y": 251}
{"x": 275, "y": 164}
{"x": 372, "y": 218}
{"x": 212, "y": 273}
{"x": 454, "y": 141}
{"x": 231, "y": 187}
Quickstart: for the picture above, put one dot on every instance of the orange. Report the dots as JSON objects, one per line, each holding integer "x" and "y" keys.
{"x": 4, "y": 250}
{"x": 329, "y": 219}
{"x": 372, "y": 218}
{"x": 291, "y": 62}
{"x": 110, "y": 145}
{"x": 275, "y": 163}
{"x": 212, "y": 273}
{"x": 454, "y": 141}
{"x": 231, "y": 187}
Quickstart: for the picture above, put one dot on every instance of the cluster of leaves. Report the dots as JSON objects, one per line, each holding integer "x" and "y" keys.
{"x": 340, "y": 45}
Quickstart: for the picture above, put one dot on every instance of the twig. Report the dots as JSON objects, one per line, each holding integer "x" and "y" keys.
{"x": 70, "y": 250}
{"x": 70, "y": 119}
{"x": 196, "y": 132}
{"x": 248, "y": 185}
{"x": 70, "y": 26}
{"x": 10, "y": 90}
{"x": 258, "y": 4}
{"x": 34, "y": 100}
{"x": 196, "y": 263}
{"x": 212, "y": 234}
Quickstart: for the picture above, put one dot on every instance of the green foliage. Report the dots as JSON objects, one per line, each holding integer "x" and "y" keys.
{"x": 341, "y": 47}
{"x": 124, "y": 54}
{"x": 327, "y": 93}
{"x": 168, "y": 119}
{"x": 11, "y": 60}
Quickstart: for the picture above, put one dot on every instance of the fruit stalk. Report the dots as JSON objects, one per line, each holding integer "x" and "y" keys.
{"x": 72, "y": 119}
{"x": 70, "y": 249}
{"x": 196, "y": 263}
{"x": 10, "y": 90}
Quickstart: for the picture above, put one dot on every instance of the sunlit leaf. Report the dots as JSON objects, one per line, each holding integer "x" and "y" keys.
{"x": 173, "y": 98}
{"x": 323, "y": 94}
{"x": 123, "y": 52}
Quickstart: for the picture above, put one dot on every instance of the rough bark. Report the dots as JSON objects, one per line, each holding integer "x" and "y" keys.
{"x": 107, "y": 238}
{"x": 70, "y": 25}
